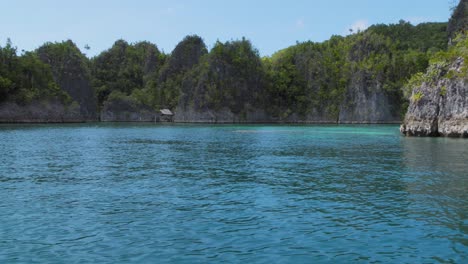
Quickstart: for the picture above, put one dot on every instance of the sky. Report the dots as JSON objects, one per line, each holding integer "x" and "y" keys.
{"x": 271, "y": 25}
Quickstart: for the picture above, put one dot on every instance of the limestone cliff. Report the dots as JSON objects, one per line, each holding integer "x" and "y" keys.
{"x": 224, "y": 115}
{"x": 367, "y": 102}
{"x": 439, "y": 99}
{"x": 49, "y": 111}
{"x": 459, "y": 20}
{"x": 439, "y": 107}
{"x": 126, "y": 110}
{"x": 71, "y": 73}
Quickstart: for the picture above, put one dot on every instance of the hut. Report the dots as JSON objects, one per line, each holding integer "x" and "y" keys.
{"x": 166, "y": 115}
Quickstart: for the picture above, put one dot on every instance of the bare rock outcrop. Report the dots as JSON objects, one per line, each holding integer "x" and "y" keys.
{"x": 439, "y": 108}
{"x": 366, "y": 102}
{"x": 50, "y": 111}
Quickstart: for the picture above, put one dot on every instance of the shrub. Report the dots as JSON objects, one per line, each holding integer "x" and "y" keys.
{"x": 417, "y": 96}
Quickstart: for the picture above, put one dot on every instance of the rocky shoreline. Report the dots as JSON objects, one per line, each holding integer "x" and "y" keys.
{"x": 17, "y": 114}
{"x": 439, "y": 108}
{"x": 41, "y": 112}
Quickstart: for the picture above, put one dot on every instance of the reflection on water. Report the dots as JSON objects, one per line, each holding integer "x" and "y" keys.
{"x": 439, "y": 185}
{"x": 144, "y": 193}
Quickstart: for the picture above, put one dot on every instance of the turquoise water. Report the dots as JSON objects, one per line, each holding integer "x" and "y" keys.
{"x": 106, "y": 193}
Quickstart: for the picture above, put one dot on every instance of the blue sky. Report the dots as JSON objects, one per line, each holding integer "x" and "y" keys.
{"x": 271, "y": 25}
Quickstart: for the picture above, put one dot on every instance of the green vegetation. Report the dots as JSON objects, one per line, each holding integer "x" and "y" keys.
{"x": 459, "y": 21}
{"x": 302, "y": 79}
{"x": 439, "y": 66}
{"x": 63, "y": 57}
{"x": 316, "y": 76}
{"x": 440, "y": 62}
{"x": 120, "y": 97}
{"x": 231, "y": 76}
{"x": 417, "y": 96}
{"x": 167, "y": 85}
{"x": 423, "y": 37}
{"x": 125, "y": 68}
{"x": 26, "y": 78}
{"x": 443, "y": 90}
{"x": 70, "y": 69}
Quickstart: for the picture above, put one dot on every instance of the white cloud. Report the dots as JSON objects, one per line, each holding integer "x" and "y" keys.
{"x": 171, "y": 10}
{"x": 359, "y": 25}
{"x": 418, "y": 20}
{"x": 300, "y": 23}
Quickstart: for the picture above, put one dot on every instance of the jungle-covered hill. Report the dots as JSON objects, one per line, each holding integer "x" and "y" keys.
{"x": 359, "y": 78}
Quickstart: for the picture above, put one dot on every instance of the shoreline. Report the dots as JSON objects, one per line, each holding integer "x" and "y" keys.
{"x": 206, "y": 123}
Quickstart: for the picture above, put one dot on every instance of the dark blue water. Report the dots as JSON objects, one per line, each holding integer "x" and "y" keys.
{"x": 210, "y": 194}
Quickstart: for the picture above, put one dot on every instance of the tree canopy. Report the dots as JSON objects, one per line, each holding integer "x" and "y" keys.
{"x": 304, "y": 78}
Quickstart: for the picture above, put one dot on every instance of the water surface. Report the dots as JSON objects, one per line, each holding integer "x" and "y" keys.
{"x": 119, "y": 193}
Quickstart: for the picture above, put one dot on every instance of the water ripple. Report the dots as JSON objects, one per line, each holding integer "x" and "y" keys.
{"x": 208, "y": 194}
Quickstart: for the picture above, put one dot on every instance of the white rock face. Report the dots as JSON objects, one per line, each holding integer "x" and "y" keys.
{"x": 441, "y": 109}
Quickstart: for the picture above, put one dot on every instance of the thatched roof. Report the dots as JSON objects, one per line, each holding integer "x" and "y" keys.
{"x": 166, "y": 112}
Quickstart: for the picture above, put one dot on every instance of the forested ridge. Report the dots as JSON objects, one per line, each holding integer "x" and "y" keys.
{"x": 362, "y": 76}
